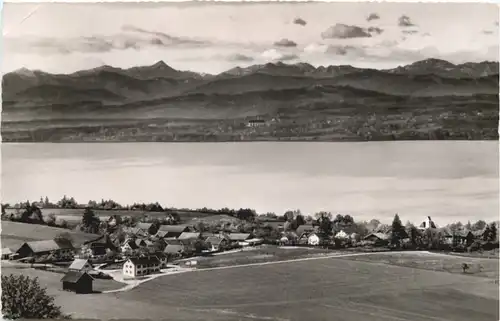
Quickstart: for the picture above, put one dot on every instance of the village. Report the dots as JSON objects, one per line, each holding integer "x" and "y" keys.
{"x": 135, "y": 251}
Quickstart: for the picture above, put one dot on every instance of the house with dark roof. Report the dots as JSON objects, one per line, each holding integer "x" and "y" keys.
{"x": 464, "y": 236}
{"x": 81, "y": 265}
{"x": 216, "y": 243}
{"x": 78, "y": 282}
{"x": 256, "y": 122}
{"x": 62, "y": 249}
{"x": 172, "y": 230}
{"x": 377, "y": 238}
{"x": 163, "y": 258}
{"x": 141, "y": 266}
{"x": 129, "y": 245}
{"x": 98, "y": 247}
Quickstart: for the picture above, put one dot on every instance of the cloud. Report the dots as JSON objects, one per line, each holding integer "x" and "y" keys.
{"x": 344, "y": 50}
{"x": 405, "y": 21}
{"x": 410, "y": 32}
{"x": 161, "y": 38}
{"x": 376, "y": 30}
{"x": 373, "y": 16}
{"x": 275, "y": 55}
{"x": 285, "y": 43}
{"x": 343, "y": 31}
{"x": 132, "y": 38}
{"x": 239, "y": 57}
{"x": 299, "y": 21}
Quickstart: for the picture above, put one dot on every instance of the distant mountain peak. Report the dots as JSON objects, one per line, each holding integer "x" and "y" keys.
{"x": 161, "y": 65}
{"x": 24, "y": 72}
{"x": 433, "y": 62}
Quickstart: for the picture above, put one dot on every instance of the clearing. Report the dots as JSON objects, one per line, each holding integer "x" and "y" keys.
{"x": 14, "y": 234}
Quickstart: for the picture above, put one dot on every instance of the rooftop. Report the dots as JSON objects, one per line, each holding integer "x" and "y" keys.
{"x": 75, "y": 276}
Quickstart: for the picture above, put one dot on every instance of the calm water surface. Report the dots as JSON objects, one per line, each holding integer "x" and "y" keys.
{"x": 447, "y": 180}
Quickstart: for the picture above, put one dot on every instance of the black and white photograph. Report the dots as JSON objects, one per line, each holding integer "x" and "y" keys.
{"x": 277, "y": 161}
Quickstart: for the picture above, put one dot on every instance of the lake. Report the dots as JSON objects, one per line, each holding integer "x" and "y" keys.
{"x": 448, "y": 180}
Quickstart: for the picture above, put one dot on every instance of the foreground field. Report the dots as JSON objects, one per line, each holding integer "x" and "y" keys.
{"x": 482, "y": 267}
{"x": 322, "y": 289}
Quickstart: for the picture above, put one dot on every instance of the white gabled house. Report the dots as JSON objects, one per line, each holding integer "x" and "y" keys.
{"x": 142, "y": 266}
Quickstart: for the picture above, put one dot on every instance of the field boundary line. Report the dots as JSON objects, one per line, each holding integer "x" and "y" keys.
{"x": 330, "y": 256}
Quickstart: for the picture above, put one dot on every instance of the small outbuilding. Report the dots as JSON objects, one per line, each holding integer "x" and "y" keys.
{"x": 78, "y": 282}
{"x": 81, "y": 265}
{"x": 6, "y": 252}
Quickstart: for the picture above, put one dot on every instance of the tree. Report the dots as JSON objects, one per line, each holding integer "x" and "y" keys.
{"x": 288, "y": 216}
{"x": 493, "y": 232}
{"x": 414, "y": 234}
{"x": 64, "y": 224}
{"x": 455, "y": 227}
{"x": 51, "y": 219}
{"x": 486, "y": 234}
{"x": 90, "y": 222}
{"x": 325, "y": 222}
{"x": 66, "y": 202}
{"x": 246, "y": 214}
{"x": 155, "y": 226}
{"x": 63, "y": 237}
{"x": 479, "y": 225}
{"x": 22, "y": 297}
{"x": 397, "y": 230}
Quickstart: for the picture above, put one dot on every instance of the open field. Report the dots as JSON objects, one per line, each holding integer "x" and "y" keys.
{"x": 259, "y": 254}
{"x": 14, "y": 234}
{"x": 487, "y": 268}
{"x": 322, "y": 289}
{"x": 75, "y": 215}
{"x": 52, "y": 280}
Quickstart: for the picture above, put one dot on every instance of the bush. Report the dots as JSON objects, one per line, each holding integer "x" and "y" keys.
{"x": 22, "y": 297}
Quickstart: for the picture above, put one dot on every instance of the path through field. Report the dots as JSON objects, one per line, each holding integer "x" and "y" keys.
{"x": 332, "y": 287}
{"x": 133, "y": 283}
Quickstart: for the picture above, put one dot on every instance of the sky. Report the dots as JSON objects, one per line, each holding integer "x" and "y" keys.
{"x": 215, "y": 37}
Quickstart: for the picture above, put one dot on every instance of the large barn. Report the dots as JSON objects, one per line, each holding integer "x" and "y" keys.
{"x": 37, "y": 248}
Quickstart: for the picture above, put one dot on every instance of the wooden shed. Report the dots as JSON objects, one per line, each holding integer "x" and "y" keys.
{"x": 78, "y": 282}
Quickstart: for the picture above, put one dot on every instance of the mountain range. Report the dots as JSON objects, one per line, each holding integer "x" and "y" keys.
{"x": 297, "y": 92}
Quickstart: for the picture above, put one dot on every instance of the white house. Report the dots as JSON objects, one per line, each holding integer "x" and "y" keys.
{"x": 135, "y": 267}
{"x": 341, "y": 235}
{"x": 313, "y": 239}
